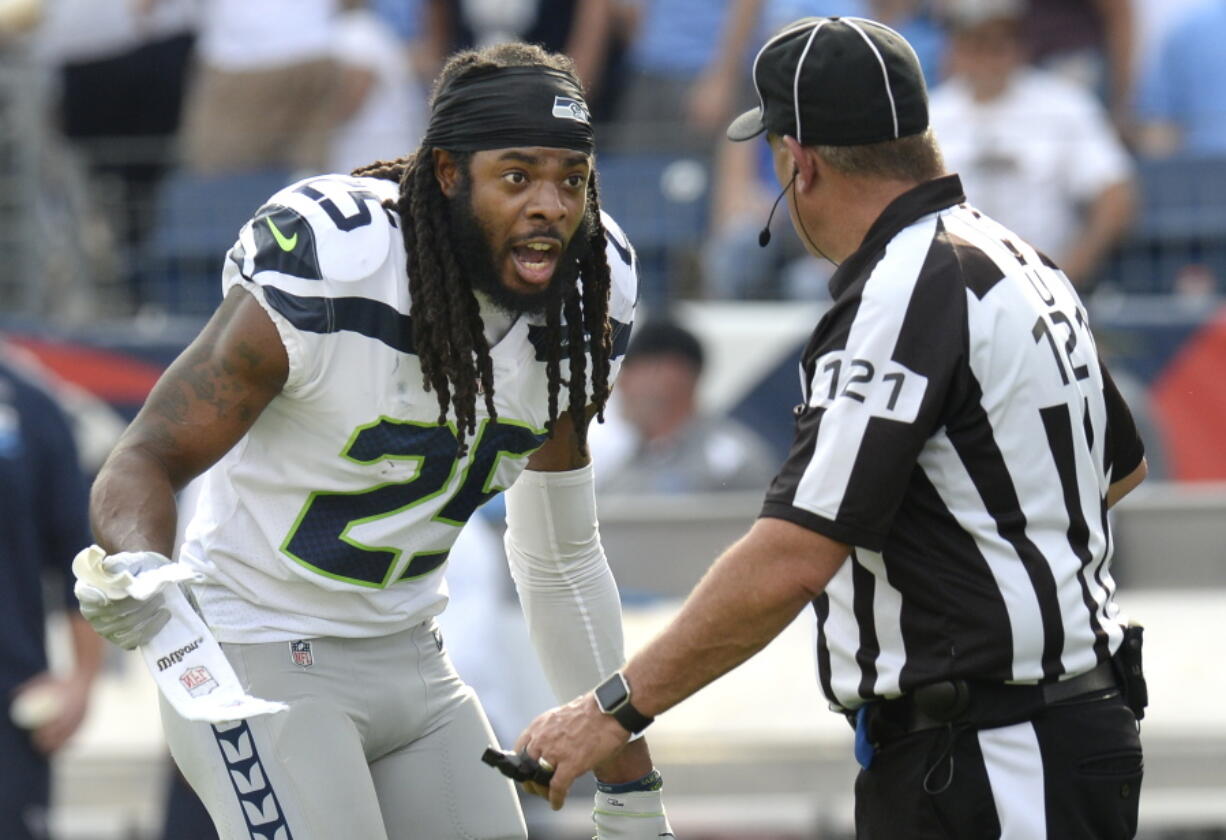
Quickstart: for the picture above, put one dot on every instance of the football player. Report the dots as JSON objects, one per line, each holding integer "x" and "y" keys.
{"x": 394, "y": 348}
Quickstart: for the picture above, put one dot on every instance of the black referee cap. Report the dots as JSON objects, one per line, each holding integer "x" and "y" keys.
{"x": 836, "y": 81}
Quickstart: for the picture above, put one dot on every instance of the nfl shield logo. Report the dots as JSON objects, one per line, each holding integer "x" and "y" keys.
{"x": 198, "y": 681}
{"x": 300, "y": 652}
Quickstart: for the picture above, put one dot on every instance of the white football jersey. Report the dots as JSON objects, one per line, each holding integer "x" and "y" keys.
{"x": 334, "y": 515}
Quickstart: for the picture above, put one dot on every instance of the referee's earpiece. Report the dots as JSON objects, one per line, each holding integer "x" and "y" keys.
{"x": 764, "y": 235}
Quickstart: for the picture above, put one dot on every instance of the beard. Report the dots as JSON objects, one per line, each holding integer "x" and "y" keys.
{"x": 479, "y": 262}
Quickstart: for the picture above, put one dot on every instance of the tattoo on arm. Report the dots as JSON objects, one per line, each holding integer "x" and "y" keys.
{"x": 170, "y": 403}
{"x": 204, "y": 404}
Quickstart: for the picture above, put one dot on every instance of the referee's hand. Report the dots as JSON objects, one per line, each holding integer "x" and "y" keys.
{"x": 519, "y": 767}
{"x": 572, "y": 739}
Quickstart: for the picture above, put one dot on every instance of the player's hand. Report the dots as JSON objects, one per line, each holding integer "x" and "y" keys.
{"x": 127, "y": 622}
{"x": 572, "y": 739}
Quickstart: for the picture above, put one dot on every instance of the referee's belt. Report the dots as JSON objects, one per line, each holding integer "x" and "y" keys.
{"x": 981, "y": 704}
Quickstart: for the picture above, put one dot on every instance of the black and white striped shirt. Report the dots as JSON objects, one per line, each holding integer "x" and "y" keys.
{"x": 959, "y": 431}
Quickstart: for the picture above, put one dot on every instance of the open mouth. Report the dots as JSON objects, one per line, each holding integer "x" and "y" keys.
{"x": 536, "y": 259}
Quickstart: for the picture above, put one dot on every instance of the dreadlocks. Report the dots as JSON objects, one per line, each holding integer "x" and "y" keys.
{"x": 448, "y": 332}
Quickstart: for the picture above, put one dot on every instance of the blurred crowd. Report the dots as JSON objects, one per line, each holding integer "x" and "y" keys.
{"x": 152, "y": 128}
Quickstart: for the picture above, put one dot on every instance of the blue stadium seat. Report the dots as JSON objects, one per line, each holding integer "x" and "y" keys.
{"x": 662, "y": 202}
{"x": 197, "y": 219}
{"x": 1183, "y": 197}
{"x": 1182, "y": 222}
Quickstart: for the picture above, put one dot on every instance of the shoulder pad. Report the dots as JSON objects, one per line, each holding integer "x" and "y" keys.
{"x": 331, "y": 227}
{"x": 623, "y": 266}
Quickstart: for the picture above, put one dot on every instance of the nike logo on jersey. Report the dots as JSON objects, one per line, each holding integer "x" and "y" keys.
{"x": 287, "y": 243}
{"x": 293, "y": 254}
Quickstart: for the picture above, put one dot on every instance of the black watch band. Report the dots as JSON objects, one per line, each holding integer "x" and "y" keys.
{"x": 613, "y": 699}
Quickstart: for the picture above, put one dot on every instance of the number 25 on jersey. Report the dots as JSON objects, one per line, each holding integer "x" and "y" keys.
{"x": 321, "y": 538}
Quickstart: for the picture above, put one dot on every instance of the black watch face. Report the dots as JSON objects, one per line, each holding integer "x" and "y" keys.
{"x": 611, "y": 693}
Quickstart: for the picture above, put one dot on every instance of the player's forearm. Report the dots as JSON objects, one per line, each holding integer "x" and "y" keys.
{"x": 748, "y": 597}
{"x": 567, "y": 592}
{"x": 575, "y": 626}
{"x": 132, "y": 504}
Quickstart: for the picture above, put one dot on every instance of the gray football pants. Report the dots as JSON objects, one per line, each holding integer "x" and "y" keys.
{"x": 382, "y": 741}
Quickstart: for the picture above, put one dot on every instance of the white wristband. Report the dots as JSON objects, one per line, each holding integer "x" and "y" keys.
{"x": 638, "y": 815}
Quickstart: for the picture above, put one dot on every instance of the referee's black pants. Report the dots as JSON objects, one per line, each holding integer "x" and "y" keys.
{"x": 1073, "y": 772}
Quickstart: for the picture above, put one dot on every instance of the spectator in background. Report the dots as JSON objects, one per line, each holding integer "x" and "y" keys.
{"x": 657, "y": 440}
{"x": 381, "y": 109}
{"x": 586, "y": 30}
{"x": 1179, "y": 107}
{"x": 685, "y": 70}
{"x": 1035, "y": 151}
{"x": 121, "y": 68}
{"x": 1087, "y": 41}
{"x": 265, "y": 86}
{"x": 42, "y": 492}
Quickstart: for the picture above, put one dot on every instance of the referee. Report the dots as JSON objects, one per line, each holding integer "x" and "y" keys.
{"x": 944, "y": 505}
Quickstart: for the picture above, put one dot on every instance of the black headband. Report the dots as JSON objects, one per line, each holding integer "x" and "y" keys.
{"x": 503, "y": 107}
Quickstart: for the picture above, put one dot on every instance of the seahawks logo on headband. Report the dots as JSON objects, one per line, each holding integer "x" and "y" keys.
{"x": 484, "y": 110}
{"x": 565, "y": 108}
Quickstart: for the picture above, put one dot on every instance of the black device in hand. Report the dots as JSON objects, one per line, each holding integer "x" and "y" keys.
{"x": 517, "y": 766}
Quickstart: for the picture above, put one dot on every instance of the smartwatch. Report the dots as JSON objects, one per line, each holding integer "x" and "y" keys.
{"x": 613, "y": 699}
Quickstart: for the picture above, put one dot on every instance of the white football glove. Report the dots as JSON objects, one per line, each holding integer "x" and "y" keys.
{"x": 633, "y": 815}
{"x": 128, "y": 622}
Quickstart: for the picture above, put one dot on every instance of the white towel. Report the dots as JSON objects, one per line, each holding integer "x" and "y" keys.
{"x": 185, "y": 660}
